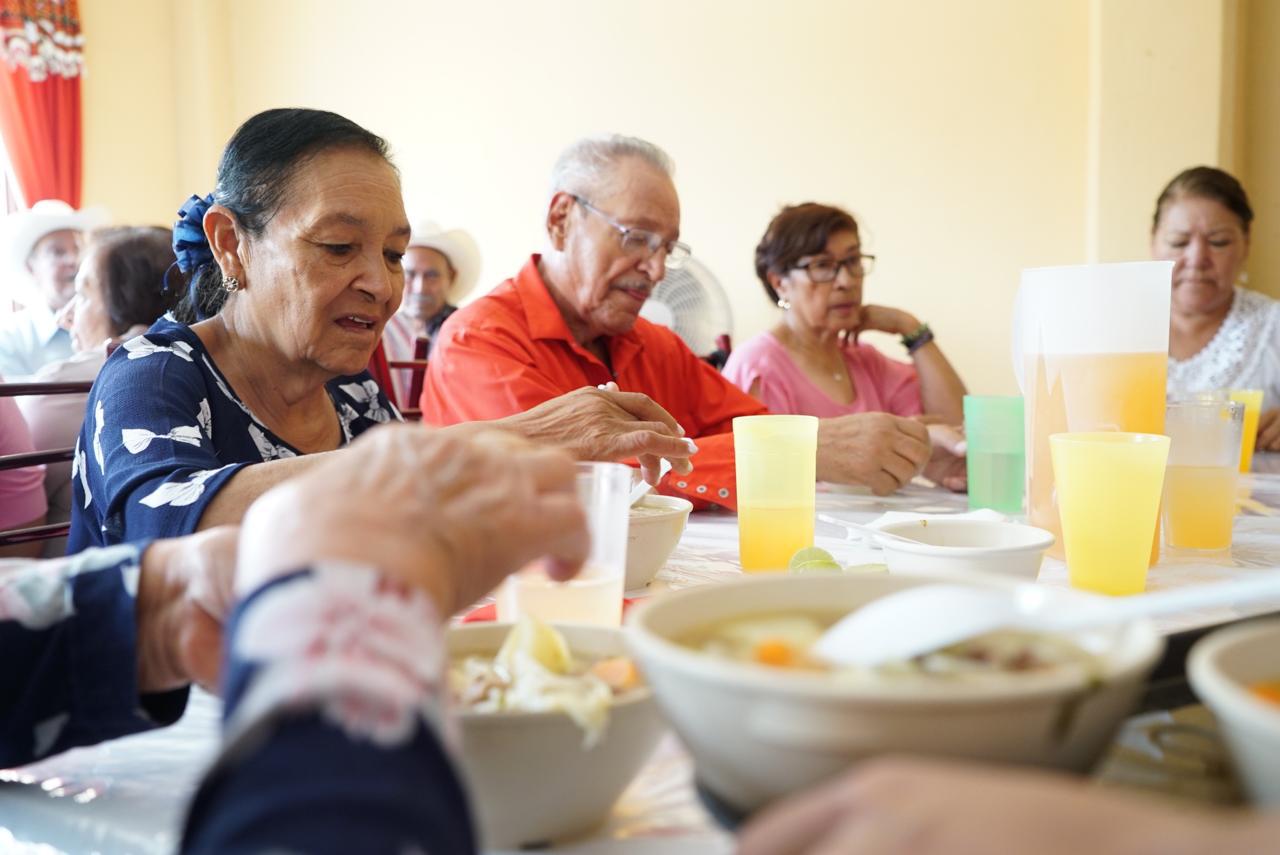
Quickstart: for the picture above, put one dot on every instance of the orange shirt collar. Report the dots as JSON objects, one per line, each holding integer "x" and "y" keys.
{"x": 546, "y": 322}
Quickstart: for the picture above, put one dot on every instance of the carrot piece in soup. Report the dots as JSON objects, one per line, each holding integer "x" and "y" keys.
{"x": 618, "y": 673}
{"x": 1268, "y": 690}
{"x": 775, "y": 652}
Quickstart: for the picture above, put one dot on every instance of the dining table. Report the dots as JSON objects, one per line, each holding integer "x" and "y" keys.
{"x": 129, "y": 795}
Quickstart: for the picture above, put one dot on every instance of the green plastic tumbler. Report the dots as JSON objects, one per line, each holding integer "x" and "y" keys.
{"x": 995, "y": 438}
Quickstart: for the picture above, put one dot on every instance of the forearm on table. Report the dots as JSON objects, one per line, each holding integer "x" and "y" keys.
{"x": 332, "y": 742}
{"x": 941, "y": 389}
{"x": 228, "y": 506}
{"x": 68, "y": 629}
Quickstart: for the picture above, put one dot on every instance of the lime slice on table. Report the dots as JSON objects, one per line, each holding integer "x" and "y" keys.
{"x": 813, "y": 559}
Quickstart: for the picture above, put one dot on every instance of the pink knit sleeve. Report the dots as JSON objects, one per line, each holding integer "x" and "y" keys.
{"x": 22, "y": 497}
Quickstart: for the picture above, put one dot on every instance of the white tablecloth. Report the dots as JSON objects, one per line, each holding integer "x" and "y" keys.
{"x": 128, "y": 796}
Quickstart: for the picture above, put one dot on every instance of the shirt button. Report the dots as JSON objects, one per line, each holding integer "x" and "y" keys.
{"x": 724, "y": 493}
{"x": 682, "y": 484}
{"x": 702, "y": 488}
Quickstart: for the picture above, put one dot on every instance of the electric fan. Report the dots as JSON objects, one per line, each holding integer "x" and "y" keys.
{"x": 691, "y": 303}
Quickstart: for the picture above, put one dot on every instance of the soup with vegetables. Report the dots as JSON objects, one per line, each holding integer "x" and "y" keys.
{"x": 784, "y": 641}
{"x": 534, "y": 671}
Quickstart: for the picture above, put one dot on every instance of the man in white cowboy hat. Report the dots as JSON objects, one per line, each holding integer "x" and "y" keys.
{"x": 440, "y": 268}
{"x": 41, "y": 254}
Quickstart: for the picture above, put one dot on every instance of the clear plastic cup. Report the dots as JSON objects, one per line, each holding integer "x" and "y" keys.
{"x": 1200, "y": 484}
{"x": 594, "y": 596}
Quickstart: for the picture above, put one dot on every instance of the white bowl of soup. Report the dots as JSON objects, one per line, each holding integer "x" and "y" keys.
{"x": 652, "y": 534}
{"x": 758, "y": 732}
{"x": 537, "y": 777}
{"x": 1236, "y": 672}
{"x": 965, "y": 546}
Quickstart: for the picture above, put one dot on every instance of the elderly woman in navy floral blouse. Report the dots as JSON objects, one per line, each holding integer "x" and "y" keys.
{"x": 294, "y": 265}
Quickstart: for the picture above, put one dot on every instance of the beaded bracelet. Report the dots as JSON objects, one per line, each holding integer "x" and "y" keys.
{"x": 918, "y": 339}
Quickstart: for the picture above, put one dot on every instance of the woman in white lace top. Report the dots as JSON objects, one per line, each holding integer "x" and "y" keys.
{"x": 1221, "y": 335}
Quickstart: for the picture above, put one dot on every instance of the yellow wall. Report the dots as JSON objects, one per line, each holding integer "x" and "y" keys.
{"x": 1156, "y": 96}
{"x": 1261, "y": 169}
{"x": 971, "y": 138}
{"x": 129, "y": 96}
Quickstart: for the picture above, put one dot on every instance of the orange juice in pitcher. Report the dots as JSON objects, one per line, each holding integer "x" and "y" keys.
{"x": 1091, "y": 352}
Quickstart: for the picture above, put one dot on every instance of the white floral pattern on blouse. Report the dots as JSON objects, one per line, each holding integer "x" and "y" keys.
{"x": 38, "y": 594}
{"x": 168, "y": 431}
{"x": 1243, "y": 354}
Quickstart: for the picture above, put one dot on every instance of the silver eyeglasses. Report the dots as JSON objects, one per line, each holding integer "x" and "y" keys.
{"x": 640, "y": 242}
{"x": 824, "y": 270}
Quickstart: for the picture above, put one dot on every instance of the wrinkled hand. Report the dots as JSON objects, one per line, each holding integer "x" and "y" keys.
{"x": 1269, "y": 431}
{"x": 605, "y": 424}
{"x": 877, "y": 449}
{"x": 448, "y": 512}
{"x": 881, "y": 319}
{"x": 947, "y": 464}
{"x": 915, "y": 807}
{"x": 184, "y": 597}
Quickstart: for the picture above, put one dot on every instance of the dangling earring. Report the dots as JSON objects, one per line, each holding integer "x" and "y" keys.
{"x": 1244, "y": 278}
{"x": 230, "y": 284}
{"x": 784, "y": 303}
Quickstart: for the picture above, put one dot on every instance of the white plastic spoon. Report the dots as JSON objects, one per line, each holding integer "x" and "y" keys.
{"x": 639, "y": 491}
{"x": 868, "y": 532}
{"x": 929, "y": 617}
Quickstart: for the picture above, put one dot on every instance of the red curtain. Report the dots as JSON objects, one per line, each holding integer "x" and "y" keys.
{"x": 40, "y": 49}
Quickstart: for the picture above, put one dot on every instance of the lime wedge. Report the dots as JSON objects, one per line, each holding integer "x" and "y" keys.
{"x": 810, "y": 554}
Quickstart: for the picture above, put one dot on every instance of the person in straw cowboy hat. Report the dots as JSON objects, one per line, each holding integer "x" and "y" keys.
{"x": 41, "y": 254}
{"x": 440, "y": 268}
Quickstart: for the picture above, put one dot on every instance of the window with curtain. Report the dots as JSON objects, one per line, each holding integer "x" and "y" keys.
{"x": 40, "y": 62}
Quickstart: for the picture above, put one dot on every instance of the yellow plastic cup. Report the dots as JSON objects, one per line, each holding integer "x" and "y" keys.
{"x": 1252, "y": 400}
{"x": 1109, "y": 487}
{"x": 776, "y": 458}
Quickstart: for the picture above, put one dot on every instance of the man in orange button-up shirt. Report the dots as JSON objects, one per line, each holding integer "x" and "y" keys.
{"x": 570, "y": 319}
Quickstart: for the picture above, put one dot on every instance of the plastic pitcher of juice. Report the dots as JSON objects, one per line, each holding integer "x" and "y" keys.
{"x": 1090, "y": 350}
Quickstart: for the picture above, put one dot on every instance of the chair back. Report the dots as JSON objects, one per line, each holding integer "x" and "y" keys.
{"x": 13, "y": 537}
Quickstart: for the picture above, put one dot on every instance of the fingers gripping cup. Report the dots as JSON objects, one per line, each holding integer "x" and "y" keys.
{"x": 594, "y": 596}
{"x": 776, "y": 459}
{"x": 1108, "y": 495}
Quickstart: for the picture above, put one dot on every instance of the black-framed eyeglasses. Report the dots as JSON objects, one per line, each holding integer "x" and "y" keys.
{"x": 824, "y": 270}
{"x": 641, "y": 242}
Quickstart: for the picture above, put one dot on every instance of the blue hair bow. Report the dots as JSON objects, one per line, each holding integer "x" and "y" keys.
{"x": 189, "y": 243}
{"x": 190, "y": 246}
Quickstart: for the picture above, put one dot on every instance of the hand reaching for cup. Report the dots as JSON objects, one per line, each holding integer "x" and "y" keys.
{"x": 449, "y": 512}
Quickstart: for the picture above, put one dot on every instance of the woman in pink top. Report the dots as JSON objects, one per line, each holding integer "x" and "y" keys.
{"x": 812, "y": 265}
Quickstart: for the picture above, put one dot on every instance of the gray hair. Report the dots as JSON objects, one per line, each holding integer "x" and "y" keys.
{"x": 583, "y": 166}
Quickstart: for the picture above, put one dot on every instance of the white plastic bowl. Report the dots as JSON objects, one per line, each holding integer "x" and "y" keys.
{"x": 530, "y": 779}
{"x": 652, "y": 534}
{"x": 1221, "y": 667}
{"x": 757, "y": 733}
{"x": 966, "y": 546}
